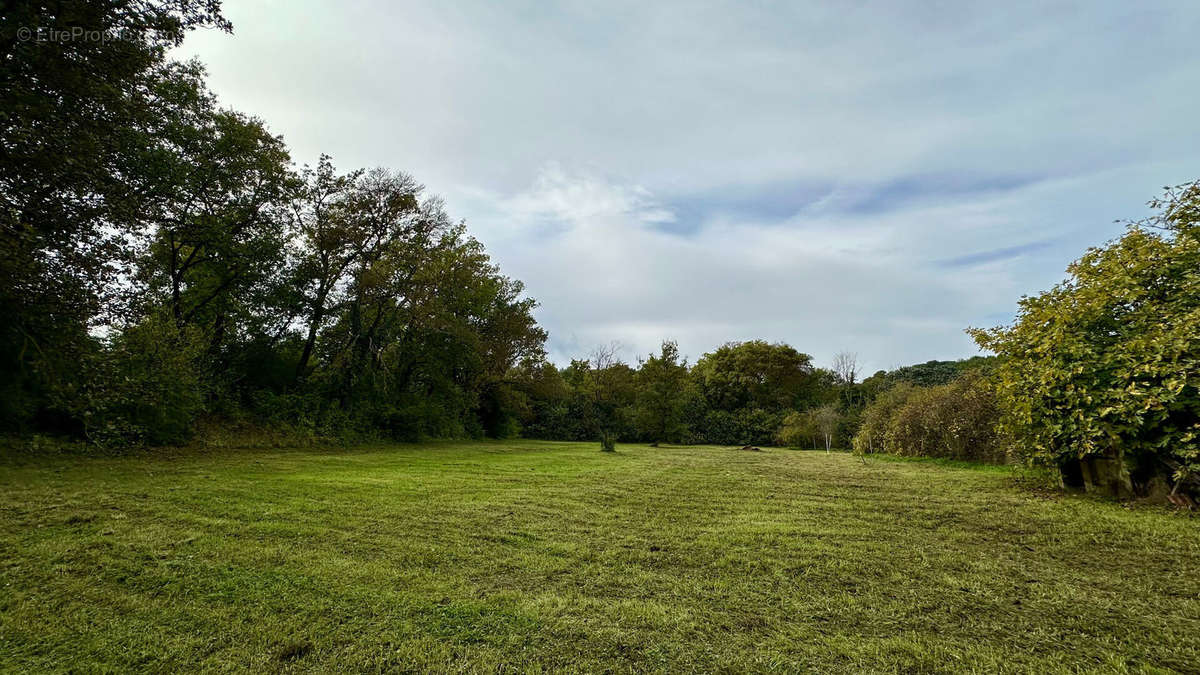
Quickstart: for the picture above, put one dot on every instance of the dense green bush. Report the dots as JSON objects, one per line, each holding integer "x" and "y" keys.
{"x": 795, "y": 431}
{"x": 872, "y": 431}
{"x": 144, "y": 387}
{"x": 821, "y": 427}
{"x": 955, "y": 421}
{"x": 1105, "y": 367}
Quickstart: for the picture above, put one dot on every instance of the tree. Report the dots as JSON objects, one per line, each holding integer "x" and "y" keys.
{"x": 748, "y": 387}
{"x": 825, "y": 420}
{"x": 215, "y": 255}
{"x": 753, "y": 374}
{"x": 661, "y": 395}
{"x": 423, "y": 329}
{"x": 327, "y": 248}
{"x": 160, "y": 258}
{"x": 77, "y": 121}
{"x": 547, "y": 398}
{"x": 872, "y": 433}
{"x": 608, "y": 385}
{"x": 797, "y": 427}
{"x": 815, "y": 423}
{"x": 845, "y": 364}
{"x": 927, "y": 374}
{"x": 1104, "y": 369}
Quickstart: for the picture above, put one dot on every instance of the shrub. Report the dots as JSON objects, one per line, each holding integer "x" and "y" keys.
{"x": 145, "y": 387}
{"x": 1104, "y": 368}
{"x": 796, "y": 431}
{"x": 872, "y": 432}
{"x": 819, "y": 426}
{"x": 955, "y": 421}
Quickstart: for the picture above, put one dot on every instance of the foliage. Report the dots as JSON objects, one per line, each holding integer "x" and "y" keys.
{"x": 795, "y": 430}
{"x": 727, "y": 398}
{"x": 1107, "y": 363}
{"x": 872, "y": 432}
{"x": 662, "y": 390}
{"x": 825, "y": 421}
{"x": 958, "y": 420}
{"x": 146, "y": 387}
{"x": 607, "y": 387}
{"x": 816, "y": 425}
{"x": 753, "y": 374}
{"x": 225, "y": 281}
{"x": 928, "y": 374}
{"x": 78, "y": 120}
{"x": 747, "y": 388}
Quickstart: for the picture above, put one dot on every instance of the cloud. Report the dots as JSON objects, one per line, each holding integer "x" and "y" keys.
{"x": 865, "y": 176}
{"x": 995, "y": 255}
{"x": 582, "y": 199}
{"x": 609, "y": 273}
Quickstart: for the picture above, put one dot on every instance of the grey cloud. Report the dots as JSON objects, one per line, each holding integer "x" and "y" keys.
{"x": 828, "y": 174}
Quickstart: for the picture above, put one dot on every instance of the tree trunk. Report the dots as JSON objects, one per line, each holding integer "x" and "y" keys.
{"x": 218, "y": 334}
{"x": 314, "y": 323}
{"x": 1107, "y": 475}
{"x": 176, "y": 296}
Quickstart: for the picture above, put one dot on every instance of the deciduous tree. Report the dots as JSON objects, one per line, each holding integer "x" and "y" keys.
{"x": 1105, "y": 366}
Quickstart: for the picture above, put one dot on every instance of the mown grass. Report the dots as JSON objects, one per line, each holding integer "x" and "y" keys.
{"x": 529, "y": 556}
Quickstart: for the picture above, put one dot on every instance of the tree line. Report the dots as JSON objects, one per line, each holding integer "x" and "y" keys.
{"x": 164, "y": 261}
{"x": 742, "y": 393}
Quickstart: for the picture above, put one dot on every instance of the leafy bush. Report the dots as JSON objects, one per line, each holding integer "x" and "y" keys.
{"x": 872, "y": 432}
{"x": 819, "y": 426}
{"x": 1105, "y": 366}
{"x": 757, "y": 426}
{"x": 954, "y": 421}
{"x": 796, "y": 431}
{"x": 145, "y": 388}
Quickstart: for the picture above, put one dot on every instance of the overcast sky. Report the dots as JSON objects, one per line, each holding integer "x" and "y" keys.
{"x": 863, "y": 176}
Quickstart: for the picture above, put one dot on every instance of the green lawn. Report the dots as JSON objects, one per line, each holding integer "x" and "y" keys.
{"x": 551, "y": 556}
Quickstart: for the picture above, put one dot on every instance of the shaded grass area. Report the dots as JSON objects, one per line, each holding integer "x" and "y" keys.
{"x": 553, "y": 556}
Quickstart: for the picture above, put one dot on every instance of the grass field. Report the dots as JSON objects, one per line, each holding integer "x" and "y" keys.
{"x": 529, "y": 556}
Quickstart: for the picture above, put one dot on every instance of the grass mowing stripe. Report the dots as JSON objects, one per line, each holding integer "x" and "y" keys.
{"x": 554, "y": 556}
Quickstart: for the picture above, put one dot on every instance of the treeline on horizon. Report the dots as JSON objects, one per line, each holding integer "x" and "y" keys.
{"x": 164, "y": 261}
{"x": 742, "y": 393}
{"x": 165, "y": 268}
{"x": 166, "y": 265}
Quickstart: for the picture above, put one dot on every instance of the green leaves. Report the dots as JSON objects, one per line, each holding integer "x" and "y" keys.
{"x": 956, "y": 421}
{"x": 662, "y": 390}
{"x": 1110, "y": 358}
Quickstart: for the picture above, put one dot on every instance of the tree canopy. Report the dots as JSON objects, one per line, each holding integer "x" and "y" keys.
{"x": 1107, "y": 363}
{"x": 163, "y": 259}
